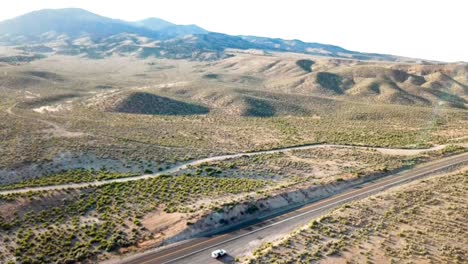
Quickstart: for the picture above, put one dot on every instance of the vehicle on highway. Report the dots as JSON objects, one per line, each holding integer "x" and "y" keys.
{"x": 218, "y": 253}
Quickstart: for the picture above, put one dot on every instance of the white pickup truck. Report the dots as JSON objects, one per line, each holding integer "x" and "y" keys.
{"x": 218, "y": 253}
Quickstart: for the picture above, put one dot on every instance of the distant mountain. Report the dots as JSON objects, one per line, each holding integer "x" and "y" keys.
{"x": 314, "y": 48}
{"x": 72, "y": 22}
{"x": 154, "y": 23}
{"x": 218, "y": 42}
{"x": 209, "y": 46}
{"x": 74, "y": 31}
{"x": 170, "y": 29}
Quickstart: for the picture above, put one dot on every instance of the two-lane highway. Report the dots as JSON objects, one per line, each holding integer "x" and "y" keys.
{"x": 238, "y": 241}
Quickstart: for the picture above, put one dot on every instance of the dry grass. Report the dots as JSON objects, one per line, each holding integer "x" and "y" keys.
{"x": 423, "y": 222}
{"x": 78, "y": 225}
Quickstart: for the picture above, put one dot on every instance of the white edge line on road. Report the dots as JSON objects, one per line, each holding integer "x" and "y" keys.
{"x": 308, "y": 212}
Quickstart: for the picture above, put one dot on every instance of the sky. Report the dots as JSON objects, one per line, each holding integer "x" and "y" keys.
{"x": 427, "y": 29}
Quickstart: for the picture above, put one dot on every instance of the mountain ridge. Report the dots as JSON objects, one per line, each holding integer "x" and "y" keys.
{"x": 158, "y": 24}
{"x": 58, "y": 29}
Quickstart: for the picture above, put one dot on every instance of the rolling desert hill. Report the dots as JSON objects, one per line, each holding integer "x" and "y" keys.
{"x": 150, "y": 104}
{"x": 368, "y": 82}
{"x": 243, "y": 85}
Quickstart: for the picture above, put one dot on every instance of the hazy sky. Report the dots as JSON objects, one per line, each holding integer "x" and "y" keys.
{"x": 427, "y": 29}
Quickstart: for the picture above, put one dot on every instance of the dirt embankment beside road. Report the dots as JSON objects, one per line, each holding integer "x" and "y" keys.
{"x": 270, "y": 204}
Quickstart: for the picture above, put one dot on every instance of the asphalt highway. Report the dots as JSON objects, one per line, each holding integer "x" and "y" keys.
{"x": 237, "y": 241}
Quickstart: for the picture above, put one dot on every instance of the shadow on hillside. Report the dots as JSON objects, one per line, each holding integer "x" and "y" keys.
{"x": 150, "y": 104}
{"x": 270, "y": 107}
{"x": 330, "y": 82}
{"x": 305, "y": 64}
{"x": 258, "y": 108}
